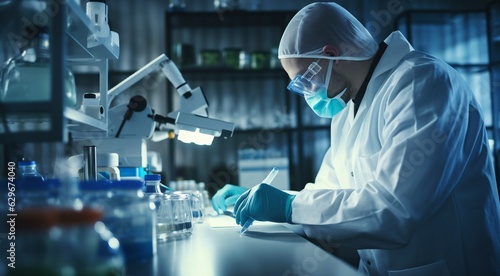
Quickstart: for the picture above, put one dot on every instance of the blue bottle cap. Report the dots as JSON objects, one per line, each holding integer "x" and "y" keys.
{"x": 148, "y": 177}
{"x": 26, "y": 163}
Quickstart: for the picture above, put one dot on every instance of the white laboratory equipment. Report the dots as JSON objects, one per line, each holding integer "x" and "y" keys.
{"x": 190, "y": 120}
{"x": 132, "y": 123}
{"x": 107, "y": 165}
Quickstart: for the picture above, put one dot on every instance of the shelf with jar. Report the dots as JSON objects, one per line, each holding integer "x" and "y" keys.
{"x": 38, "y": 100}
{"x": 249, "y": 40}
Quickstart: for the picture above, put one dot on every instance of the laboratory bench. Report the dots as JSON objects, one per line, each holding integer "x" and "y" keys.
{"x": 270, "y": 249}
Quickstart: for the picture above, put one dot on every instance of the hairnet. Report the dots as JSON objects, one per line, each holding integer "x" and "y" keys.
{"x": 326, "y": 23}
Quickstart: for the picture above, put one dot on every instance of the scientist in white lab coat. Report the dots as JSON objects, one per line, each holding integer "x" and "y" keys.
{"x": 408, "y": 178}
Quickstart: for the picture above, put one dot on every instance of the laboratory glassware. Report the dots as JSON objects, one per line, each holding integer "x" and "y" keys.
{"x": 174, "y": 215}
{"x": 126, "y": 213}
{"x": 197, "y": 205}
{"x": 162, "y": 205}
{"x": 26, "y": 77}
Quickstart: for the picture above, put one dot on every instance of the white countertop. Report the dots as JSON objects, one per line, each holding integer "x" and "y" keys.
{"x": 270, "y": 249}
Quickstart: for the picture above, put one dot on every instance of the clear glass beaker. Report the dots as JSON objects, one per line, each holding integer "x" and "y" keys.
{"x": 174, "y": 215}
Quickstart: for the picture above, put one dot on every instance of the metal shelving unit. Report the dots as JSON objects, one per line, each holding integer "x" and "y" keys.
{"x": 70, "y": 29}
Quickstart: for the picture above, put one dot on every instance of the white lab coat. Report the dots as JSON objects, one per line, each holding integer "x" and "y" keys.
{"x": 409, "y": 180}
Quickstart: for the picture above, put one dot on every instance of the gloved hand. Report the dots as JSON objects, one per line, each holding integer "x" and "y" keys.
{"x": 264, "y": 202}
{"x": 226, "y": 196}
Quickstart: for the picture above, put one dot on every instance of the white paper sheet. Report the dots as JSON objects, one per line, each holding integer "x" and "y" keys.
{"x": 227, "y": 221}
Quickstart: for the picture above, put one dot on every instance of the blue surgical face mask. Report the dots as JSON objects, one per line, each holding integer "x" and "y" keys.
{"x": 316, "y": 93}
{"x": 323, "y": 106}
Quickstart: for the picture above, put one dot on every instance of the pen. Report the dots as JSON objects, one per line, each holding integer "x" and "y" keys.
{"x": 269, "y": 178}
{"x": 228, "y": 213}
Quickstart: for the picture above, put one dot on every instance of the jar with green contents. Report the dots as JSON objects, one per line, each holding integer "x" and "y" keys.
{"x": 209, "y": 57}
{"x": 231, "y": 57}
{"x": 260, "y": 59}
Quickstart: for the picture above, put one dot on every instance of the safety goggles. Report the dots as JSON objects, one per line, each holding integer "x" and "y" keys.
{"x": 309, "y": 83}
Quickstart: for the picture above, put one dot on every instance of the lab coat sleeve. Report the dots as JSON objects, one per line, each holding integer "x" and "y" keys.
{"x": 326, "y": 177}
{"x": 422, "y": 120}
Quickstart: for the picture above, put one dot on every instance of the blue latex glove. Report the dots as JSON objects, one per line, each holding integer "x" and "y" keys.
{"x": 226, "y": 196}
{"x": 264, "y": 202}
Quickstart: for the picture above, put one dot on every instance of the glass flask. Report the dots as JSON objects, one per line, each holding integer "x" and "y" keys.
{"x": 27, "y": 76}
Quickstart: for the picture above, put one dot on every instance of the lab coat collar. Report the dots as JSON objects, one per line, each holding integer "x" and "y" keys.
{"x": 361, "y": 92}
{"x": 397, "y": 48}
